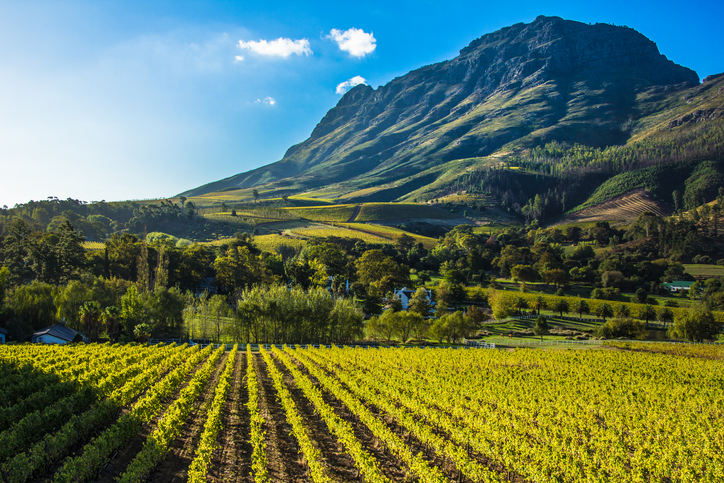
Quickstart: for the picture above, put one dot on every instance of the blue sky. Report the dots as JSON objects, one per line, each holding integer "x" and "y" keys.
{"x": 140, "y": 99}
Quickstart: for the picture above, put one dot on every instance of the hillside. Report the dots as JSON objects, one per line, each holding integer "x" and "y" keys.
{"x": 504, "y": 101}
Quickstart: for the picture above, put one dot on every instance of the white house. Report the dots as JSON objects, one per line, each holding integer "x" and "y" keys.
{"x": 57, "y": 334}
{"x": 406, "y": 295}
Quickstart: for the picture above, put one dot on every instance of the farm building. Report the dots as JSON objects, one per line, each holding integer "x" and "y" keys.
{"x": 3, "y": 335}
{"x": 677, "y": 286}
{"x": 406, "y": 295}
{"x": 57, "y": 334}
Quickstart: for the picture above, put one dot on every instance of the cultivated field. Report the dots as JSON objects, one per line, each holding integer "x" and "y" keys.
{"x": 339, "y": 213}
{"x": 372, "y": 212}
{"x": 270, "y": 243}
{"x": 626, "y": 207}
{"x": 704, "y": 270}
{"x": 323, "y": 231}
{"x": 390, "y": 233}
{"x": 627, "y": 412}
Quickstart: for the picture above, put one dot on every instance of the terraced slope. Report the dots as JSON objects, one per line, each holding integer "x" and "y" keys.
{"x": 625, "y": 207}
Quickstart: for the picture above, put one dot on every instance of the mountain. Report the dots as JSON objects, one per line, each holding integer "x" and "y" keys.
{"x": 507, "y": 94}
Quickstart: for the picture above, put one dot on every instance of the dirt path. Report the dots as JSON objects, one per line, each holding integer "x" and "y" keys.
{"x": 174, "y": 468}
{"x": 232, "y": 462}
{"x": 355, "y": 214}
{"x": 284, "y": 459}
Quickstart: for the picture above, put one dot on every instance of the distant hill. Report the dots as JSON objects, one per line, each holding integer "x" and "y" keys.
{"x": 566, "y": 105}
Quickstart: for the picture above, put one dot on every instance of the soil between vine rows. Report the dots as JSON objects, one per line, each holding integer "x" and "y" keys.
{"x": 120, "y": 461}
{"x": 174, "y": 468}
{"x": 232, "y": 461}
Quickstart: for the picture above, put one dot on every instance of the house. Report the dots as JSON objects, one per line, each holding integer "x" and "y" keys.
{"x": 677, "y": 286}
{"x": 208, "y": 285}
{"x": 405, "y": 295}
{"x": 57, "y": 334}
{"x": 330, "y": 283}
{"x": 3, "y": 335}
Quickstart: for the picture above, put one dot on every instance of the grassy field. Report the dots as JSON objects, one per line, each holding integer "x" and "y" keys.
{"x": 270, "y": 243}
{"x": 704, "y": 270}
{"x": 338, "y": 213}
{"x": 389, "y": 232}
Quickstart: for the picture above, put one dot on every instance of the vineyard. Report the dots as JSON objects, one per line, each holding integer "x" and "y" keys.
{"x": 101, "y": 412}
{"x": 627, "y": 206}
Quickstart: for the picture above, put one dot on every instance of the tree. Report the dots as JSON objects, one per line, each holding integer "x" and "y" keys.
{"x": 404, "y": 242}
{"x": 451, "y": 327}
{"x": 623, "y": 327}
{"x": 4, "y": 277}
{"x": 560, "y": 305}
{"x": 419, "y": 303}
{"x": 477, "y": 315}
{"x": 90, "y": 316}
{"x": 190, "y": 210}
{"x": 132, "y": 310}
{"x": 373, "y": 267}
{"x": 665, "y": 315}
{"x": 581, "y": 307}
{"x": 372, "y": 304}
{"x": 622, "y": 311}
{"x": 647, "y": 312}
{"x": 696, "y": 324}
{"x": 382, "y": 326}
{"x": 524, "y": 273}
{"x": 539, "y": 304}
{"x": 255, "y": 193}
{"x": 34, "y": 304}
{"x": 110, "y": 317}
{"x": 239, "y": 268}
{"x": 394, "y": 304}
{"x": 541, "y": 327}
{"x": 142, "y": 332}
{"x": 604, "y": 311}
{"x": 501, "y": 305}
{"x": 557, "y": 276}
{"x": 405, "y": 323}
{"x": 69, "y": 302}
{"x": 676, "y": 195}
{"x": 520, "y": 303}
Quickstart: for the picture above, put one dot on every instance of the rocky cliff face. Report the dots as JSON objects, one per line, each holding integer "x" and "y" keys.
{"x": 520, "y": 86}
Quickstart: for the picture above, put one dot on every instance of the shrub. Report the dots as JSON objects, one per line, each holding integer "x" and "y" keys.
{"x": 623, "y": 327}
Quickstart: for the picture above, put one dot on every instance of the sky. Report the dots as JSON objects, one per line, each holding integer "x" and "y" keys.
{"x": 119, "y": 100}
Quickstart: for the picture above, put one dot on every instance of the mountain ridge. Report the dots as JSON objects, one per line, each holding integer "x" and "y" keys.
{"x": 510, "y": 90}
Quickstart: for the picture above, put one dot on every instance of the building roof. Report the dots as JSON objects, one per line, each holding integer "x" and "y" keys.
{"x": 59, "y": 331}
{"x": 678, "y": 283}
{"x": 3, "y": 331}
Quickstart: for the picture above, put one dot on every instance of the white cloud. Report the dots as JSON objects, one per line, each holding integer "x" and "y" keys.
{"x": 348, "y": 84}
{"x": 280, "y": 47}
{"x": 354, "y": 41}
{"x": 238, "y": 58}
{"x": 270, "y": 101}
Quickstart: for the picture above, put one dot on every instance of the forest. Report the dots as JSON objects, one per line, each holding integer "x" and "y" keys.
{"x": 138, "y": 288}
